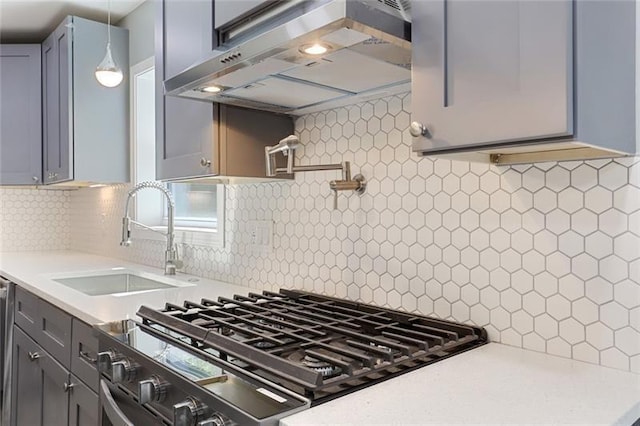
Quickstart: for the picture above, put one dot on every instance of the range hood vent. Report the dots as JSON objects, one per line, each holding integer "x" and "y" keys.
{"x": 335, "y": 53}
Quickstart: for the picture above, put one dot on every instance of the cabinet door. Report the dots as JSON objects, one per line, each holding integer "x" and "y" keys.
{"x": 491, "y": 72}
{"x": 26, "y": 400}
{"x": 20, "y": 110}
{"x": 83, "y": 405}
{"x": 227, "y": 11}
{"x": 55, "y": 392}
{"x": 56, "y": 69}
{"x": 184, "y": 128}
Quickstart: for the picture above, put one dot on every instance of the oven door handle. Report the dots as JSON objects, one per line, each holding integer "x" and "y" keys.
{"x": 110, "y": 408}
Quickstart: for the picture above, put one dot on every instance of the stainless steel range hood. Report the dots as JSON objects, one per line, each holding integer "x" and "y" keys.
{"x": 368, "y": 56}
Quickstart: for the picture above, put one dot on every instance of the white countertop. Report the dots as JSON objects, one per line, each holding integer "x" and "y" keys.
{"x": 493, "y": 384}
{"x": 35, "y": 271}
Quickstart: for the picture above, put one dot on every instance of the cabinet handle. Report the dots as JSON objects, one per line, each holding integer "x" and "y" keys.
{"x": 204, "y": 162}
{"x": 418, "y": 129}
{"x": 35, "y": 178}
{"x": 68, "y": 386}
{"x": 87, "y": 357}
{"x": 33, "y": 356}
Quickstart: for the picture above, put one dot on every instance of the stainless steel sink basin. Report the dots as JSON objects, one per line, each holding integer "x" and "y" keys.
{"x": 113, "y": 282}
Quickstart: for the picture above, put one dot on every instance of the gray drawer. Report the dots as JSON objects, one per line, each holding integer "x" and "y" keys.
{"x": 26, "y": 313}
{"x": 84, "y": 351}
{"x": 55, "y": 332}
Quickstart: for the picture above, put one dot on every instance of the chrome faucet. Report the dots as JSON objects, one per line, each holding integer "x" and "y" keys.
{"x": 171, "y": 260}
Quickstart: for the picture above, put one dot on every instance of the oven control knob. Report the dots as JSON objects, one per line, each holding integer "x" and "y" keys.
{"x": 189, "y": 412}
{"x": 105, "y": 360}
{"x": 153, "y": 389}
{"x": 215, "y": 420}
{"x": 123, "y": 371}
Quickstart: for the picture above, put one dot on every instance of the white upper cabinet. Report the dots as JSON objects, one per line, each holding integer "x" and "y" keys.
{"x": 487, "y": 72}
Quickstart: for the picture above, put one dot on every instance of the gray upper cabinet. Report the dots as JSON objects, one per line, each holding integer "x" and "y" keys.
{"x": 199, "y": 139}
{"x": 20, "y": 103}
{"x": 490, "y": 72}
{"x": 227, "y": 12}
{"x": 86, "y": 130}
{"x": 184, "y": 129}
{"x": 525, "y": 81}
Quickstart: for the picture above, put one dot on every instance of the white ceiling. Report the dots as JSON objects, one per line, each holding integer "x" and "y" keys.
{"x": 32, "y": 20}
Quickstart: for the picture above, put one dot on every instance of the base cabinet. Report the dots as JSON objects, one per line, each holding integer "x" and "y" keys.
{"x": 46, "y": 389}
{"x": 83, "y": 405}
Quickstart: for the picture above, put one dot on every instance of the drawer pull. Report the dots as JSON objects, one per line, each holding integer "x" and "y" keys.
{"x": 33, "y": 356}
{"x": 68, "y": 386}
{"x": 85, "y": 355}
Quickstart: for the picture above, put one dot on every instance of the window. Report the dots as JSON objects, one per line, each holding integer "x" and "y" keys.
{"x": 199, "y": 207}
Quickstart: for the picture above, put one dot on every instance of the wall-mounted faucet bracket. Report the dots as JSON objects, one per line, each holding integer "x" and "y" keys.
{"x": 288, "y": 146}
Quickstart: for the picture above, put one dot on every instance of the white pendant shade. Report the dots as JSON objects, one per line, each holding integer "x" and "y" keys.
{"x": 108, "y": 73}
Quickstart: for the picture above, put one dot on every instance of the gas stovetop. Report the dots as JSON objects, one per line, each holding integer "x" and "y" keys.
{"x": 316, "y": 346}
{"x": 257, "y": 358}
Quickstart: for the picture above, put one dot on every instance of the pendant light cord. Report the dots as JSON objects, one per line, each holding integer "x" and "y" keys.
{"x": 109, "y": 22}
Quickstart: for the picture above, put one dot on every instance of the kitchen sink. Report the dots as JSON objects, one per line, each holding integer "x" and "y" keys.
{"x": 112, "y": 282}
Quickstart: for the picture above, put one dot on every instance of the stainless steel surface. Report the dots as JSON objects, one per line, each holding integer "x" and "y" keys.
{"x": 266, "y": 67}
{"x": 358, "y": 184}
{"x": 152, "y": 389}
{"x": 188, "y": 412}
{"x": 288, "y": 145}
{"x": 110, "y": 409}
{"x": 418, "y": 129}
{"x": 171, "y": 260}
{"x": 123, "y": 371}
{"x": 213, "y": 389}
{"x": 112, "y": 282}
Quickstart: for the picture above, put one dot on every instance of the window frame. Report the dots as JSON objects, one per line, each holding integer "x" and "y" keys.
{"x": 185, "y": 233}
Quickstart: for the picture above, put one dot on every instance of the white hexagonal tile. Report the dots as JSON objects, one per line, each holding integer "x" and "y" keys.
{"x": 585, "y": 311}
{"x": 598, "y": 199}
{"x": 627, "y": 246}
{"x": 584, "y": 177}
{"x": 614, "y": 358}
{"x": 546, "y": 326}
{"x": 612, "y": 176}
{"x": 613, "y": 269}
{"x": 614, "y": 315}
{"x": 599, "y": 290}
{"x": 572, "y": 331}
{"x": 600, "y": 336}
{"x": 584, "y": 266}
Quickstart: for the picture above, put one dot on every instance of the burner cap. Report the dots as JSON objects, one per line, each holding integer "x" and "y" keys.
{"x": 263, "y": 344}
{"x": 322, "y": 367}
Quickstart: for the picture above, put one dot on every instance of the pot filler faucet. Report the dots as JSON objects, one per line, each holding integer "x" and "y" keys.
{"x": 287, "y": 147}
{"x": 171, "y": 261}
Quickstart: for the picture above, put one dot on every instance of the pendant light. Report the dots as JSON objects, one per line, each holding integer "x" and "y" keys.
{"x": 108, "y": 73}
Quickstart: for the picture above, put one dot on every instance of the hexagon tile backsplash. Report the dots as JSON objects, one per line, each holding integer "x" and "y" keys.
{"x": 545, "y": 256}
{"x": 34, "y": 220}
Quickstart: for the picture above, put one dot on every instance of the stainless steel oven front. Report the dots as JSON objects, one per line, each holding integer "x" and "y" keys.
{"x": 117, "y": 408}
{"x": 154, "y": 378}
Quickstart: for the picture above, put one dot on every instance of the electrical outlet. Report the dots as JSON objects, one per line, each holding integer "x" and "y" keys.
{"x": 261, "y": 234}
